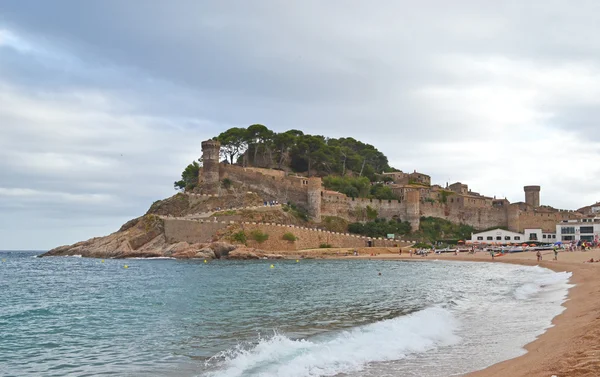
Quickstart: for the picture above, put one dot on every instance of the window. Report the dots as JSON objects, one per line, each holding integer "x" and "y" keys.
{"x": 532, "y": 236}
{"x": 587, "y": 238}
{"x": 499, "y": 238}
{"x": 567, "y": 230}
{"x": 507, "y": 238}
{"x": 517, "y": 238}
{"x": 479, "y": 238}
{"x": 586, "y": 229}
{"x": 568, "y": 238}
{"x": 544, "y": 236}
{"x": 490, "y": 238}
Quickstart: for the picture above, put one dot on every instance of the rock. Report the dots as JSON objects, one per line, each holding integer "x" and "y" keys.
{"x": 130, "y": 224}
{"x": 242, "y": 253}
{"x": 205, "y": 255}
{"x": 274, "y": 256}
{"x": 221, "y": 249}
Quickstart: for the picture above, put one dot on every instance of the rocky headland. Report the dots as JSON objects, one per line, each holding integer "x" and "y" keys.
{"x": 145, "y": 236}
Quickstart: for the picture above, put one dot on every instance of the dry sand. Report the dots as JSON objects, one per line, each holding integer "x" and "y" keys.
{"x": 571, "y": 348}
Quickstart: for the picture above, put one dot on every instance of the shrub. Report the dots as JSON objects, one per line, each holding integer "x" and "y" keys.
{"x": 371, "y": 213}
{"x": 289, "y": 237}
{"x": 226, "y": 183}
{"x": 325, "y": 246}
{"x": 239, "y": 237}
{"x": 259, "y": 236}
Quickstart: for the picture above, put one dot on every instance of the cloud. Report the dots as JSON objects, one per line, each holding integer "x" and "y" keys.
{"x": 111, "y": 99}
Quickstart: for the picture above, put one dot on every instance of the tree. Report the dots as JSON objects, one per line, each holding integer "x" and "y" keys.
{"x": 284, "y": 142}
{"x": 233, "y": 142}
{"x": 312, "y": 150}
{"x": 189, "y": 177}
{"x": 256, "y": 136}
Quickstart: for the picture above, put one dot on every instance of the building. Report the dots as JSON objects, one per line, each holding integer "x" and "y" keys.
{"x": 497, "y": 236}
{"x": 538, "y": 235}
{"x": 587, "y": 229}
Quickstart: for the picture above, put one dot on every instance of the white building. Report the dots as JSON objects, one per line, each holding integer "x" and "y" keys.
{"x": 497, "y": 236}
{"x": 540, "y": 236}
{"x": 580, "y": 229}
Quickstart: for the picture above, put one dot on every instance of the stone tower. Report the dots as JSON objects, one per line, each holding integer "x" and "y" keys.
{"x": 413, "y": 209}
{"x": 532, "y": 195}
{"x": 314, "y": 198}
{"x": 209, "y": 179}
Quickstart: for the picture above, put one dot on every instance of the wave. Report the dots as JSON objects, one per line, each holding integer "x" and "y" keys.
{"x": 555, "y": 282}
{"x": 348, "y": 351}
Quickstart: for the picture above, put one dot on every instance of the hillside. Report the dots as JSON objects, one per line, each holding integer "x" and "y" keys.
{"x": 294, "y": 151}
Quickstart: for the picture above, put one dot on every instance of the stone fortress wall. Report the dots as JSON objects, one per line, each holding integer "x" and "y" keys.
{"x": 455, "y": 203}
{"x": 203, "y": 231}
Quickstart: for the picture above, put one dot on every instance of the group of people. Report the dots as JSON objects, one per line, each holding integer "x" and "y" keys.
{"x": 581, "y": 245}
{"x": 271, "y": 203}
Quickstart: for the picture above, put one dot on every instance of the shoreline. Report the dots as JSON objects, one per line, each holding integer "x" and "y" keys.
{"x": 571, "y": 346}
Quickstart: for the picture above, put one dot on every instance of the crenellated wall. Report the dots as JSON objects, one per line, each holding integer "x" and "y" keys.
{"x": 460, "y": 206}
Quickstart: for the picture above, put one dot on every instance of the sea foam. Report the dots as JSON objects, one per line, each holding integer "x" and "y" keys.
{"x": 549, "y": 283}
{"x": 344, "y": 352}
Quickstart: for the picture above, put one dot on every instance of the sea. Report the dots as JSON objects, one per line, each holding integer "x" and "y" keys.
{"x": 72, "y": 316}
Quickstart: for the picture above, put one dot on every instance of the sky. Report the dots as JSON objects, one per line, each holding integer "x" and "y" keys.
{"x": 103, "y": 103}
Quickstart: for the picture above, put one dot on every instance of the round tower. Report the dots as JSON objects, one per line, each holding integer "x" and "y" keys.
{"x": 532, "y": 195}
{"x": 314, "y": 198}
{"x": 209, "y": 179}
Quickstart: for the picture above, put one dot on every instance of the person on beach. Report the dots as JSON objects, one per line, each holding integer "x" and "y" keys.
{"x": 539, "y": 256}
{"x": 410, "y": 252}
{"x": 555, "y": 253}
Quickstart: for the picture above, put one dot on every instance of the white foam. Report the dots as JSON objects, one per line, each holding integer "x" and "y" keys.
{"x": 347, "y": 351}
{"x": 550, "y": 282}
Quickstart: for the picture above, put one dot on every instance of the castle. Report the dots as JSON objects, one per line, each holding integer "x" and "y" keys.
{"x": 417, "y": 197}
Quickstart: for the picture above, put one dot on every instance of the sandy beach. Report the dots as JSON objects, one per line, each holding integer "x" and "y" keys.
{"x": 571, "y": 348}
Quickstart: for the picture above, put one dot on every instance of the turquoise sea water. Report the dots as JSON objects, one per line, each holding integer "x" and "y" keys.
{"x": 69, "y": 316}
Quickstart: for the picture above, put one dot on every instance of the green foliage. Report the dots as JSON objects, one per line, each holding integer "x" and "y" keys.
{"x": 189, "y": 177}
{"x": 380, "y": 191}
{"x": 226, "y": 183}
{"x": 380, "y": 228}
{"x": 434, "y": 229}
{"x": 371, "y": 213}
{"x": 298, "y": 212}
{"x": 429, "y": 200}
{"x": 234, "y": 142}
{"x": 354, "y": 187}
{"x": 334, "y": 224}
{"x": 325, "y": 246}
{"x": 259, "y": 236}
{"x": 302, "y": 152}
{"x": 358, "y": 187}
{"x": 289, "y": 236}
{"x": 444, "y": 194}
{"x": 239, "y": 237}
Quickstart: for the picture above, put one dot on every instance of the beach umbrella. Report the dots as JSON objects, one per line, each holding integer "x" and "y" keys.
{"x": 461, "y": 241}
{"x": 558, "y": 243}
{"x": 524, "y": 245}
{"x": 532, "y": 245}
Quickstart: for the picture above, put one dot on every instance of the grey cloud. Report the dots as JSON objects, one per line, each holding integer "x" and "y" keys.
{"x": 450, "y": 90}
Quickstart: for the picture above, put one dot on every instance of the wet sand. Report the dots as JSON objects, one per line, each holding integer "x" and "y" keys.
{"x": 571, "y": 348}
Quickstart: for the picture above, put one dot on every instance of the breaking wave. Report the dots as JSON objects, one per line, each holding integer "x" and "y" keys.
{"x": 344, "y": 352}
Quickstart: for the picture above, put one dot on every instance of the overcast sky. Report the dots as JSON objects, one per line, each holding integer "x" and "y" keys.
{"x": 103, "y": 103}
